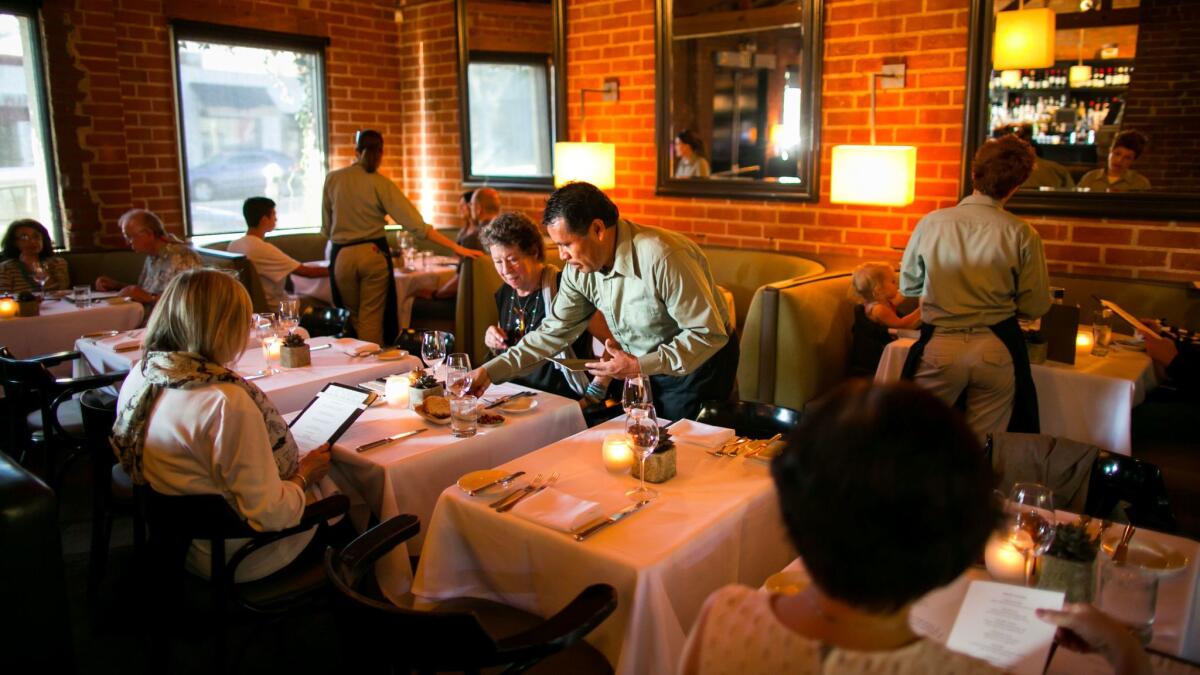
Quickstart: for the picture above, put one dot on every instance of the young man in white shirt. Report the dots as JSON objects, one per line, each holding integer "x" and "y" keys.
{"x": 273, "y": 265}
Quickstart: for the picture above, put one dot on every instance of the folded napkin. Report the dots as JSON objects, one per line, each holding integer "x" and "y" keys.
{"x": 557, "y": 510}
{"x": 354, "y": 347}
{"x": 123, "y": 342}
{"x": 699, "y": 433}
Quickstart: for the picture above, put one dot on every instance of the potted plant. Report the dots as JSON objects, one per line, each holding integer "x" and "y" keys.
{"x": 421, "y": 385}
{"x": 1070, "y": 562}
{"x": 1035, "y": 344}
{"x": 28, "y": 304}
{"x": 294, "y": 352}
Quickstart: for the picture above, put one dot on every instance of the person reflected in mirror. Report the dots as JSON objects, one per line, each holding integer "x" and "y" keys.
{"x": 1046, "y": 173}
{"x": 1180, "y": 366}
{"x": 483, "y": 207}
{"x": 1119, "y": 175}
{"x": 26, "y": 248}
{"x": 166, "y": 257}
{"x": 689, "y": 151}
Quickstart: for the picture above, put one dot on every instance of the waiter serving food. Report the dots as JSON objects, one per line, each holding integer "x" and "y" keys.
{"x": 668, "y": 319}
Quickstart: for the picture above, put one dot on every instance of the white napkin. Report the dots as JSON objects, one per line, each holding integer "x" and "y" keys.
{"x": 699, "y": 433}
{"x": 354, "y": 347}
{"x": 557, "y": 510}
{"x": 123, "y": 342}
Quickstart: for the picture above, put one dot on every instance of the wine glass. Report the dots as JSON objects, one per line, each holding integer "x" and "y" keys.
{"x": 289, "y": 313}
{"x": 433, "y": 349}
{"x": 1030, "y": 521}
{"x": 641, "y": 425}
{"x": 406, "y": 250}
{"x": 458, "y": 374}
{"x": 265, "y": 329}
{"x": 636, "y": 393}
{"x": 40, "y": 277}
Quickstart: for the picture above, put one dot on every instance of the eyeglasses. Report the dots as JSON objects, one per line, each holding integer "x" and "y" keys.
{"x": 29, "y": 236}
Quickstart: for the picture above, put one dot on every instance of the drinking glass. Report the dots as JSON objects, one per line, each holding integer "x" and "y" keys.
{"x": 40, "y": 277}
{"x": 82, "y": 295}
{"x": 433, "y": 349}
{"x": 642, "y": 426}
{"x": 636, "y": 393}
{"x": 406, "y": 250}
{"x": 464, "y": 413}
{"x": 1128, "y": 593}
{"x": 289, "y": 313}
{"x": 1030, "y": 521}
{"x": 1101, "y": 331}
{"x": 458, "y": 374}
{"x": 265, "y": 331}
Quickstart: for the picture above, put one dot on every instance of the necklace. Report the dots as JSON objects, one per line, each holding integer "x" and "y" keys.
{"x": 524, "y": 311}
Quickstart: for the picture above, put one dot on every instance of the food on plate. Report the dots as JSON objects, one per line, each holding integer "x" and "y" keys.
{"x": 518, "y": 404}
{"x": 488, "y": 419}
{"x": 437, "y": 406}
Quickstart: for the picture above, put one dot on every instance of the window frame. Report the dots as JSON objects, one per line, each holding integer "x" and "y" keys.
{"x": 541, "y": 59}
{"x": 31, "y": 10}
{"x": 240, "y": 36}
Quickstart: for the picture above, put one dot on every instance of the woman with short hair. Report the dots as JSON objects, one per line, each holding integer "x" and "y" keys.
{"x": 26, "y": 247}
{"x": 188, "y": 424}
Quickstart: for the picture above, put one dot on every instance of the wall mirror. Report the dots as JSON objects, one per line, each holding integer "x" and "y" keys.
{"x": 511, "y": 91}
{"x": 1119, "y": 66}
{"x": 737, "y": 96}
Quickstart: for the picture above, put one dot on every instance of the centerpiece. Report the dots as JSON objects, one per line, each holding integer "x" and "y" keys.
{"x": 294, "y": 352}
{"x": 1069, "y": 564}
{"x": 28, "y": 304}
{"x": 422, "y": 385}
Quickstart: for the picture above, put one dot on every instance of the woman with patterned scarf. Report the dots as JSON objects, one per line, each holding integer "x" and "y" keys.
{"x": 187, "y": 424}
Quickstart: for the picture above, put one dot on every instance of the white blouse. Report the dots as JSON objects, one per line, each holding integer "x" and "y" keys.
{"x": 212, "y": 440}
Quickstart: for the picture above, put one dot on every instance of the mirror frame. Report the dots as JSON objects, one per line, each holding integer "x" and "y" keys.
{"x": 558, "y": 103}
{"x": 1109, "y": 205}
{"x": 812, "y": 25}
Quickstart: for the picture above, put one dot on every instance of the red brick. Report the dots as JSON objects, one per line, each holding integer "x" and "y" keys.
{"x": 1169, "y": 238}
{"x": 1135, "y": 257}
{"x": 1101, "y": 235}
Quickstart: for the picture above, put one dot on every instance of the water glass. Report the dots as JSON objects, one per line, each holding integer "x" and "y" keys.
{"x": 426, "y": 260}
{"x": 82, "y": 295}
{"x": 458, "y": 374}
{"x": 1030, "y": 521}
{"x": 464, "y": 413}
{"x": 1128, "y": 594}
{"x": 1101, "y": 331}
{"x": 636, "y": 393}
{"x": 289, "y": 313}
{"x": 433, "y": 349}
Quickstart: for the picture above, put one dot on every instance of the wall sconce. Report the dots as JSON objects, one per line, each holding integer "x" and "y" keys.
{"x": 879, "y": 175}
{"x": 1024, "y": 39}
{"x": 593, "y": 163}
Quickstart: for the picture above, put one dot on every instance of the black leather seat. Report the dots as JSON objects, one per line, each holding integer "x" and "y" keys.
{"x": 325, "y": 321}
{"x": 1137, "y": 484}
{"x": 748, "y": 418}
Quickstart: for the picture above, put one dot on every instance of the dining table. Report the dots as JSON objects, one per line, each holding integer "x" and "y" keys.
{"x": 408, "y": 476}
{"x": 408, "y": 281}
{"x": 715, "y": 522}
{"x": 60, "y": 322}
{"x": 1090, "y": 401}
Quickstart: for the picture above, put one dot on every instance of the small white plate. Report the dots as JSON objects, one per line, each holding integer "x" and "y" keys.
{"x": 1149, "y": 555}
{"x": 519, "y": 405}
{"x": 391, "y": 355}
{"x": 477, "y": 479}
{"x": 420, "y": 410}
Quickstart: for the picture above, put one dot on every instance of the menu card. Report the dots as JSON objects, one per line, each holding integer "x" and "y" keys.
{"x": 329, "y": 415}
{"x": 997, "y": 623}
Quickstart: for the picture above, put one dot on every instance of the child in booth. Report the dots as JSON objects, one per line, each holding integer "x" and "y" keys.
{"x": 875, "y": 283}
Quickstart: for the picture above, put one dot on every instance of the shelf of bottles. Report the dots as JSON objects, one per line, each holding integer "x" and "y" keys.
{"x": 1045, "y": 98}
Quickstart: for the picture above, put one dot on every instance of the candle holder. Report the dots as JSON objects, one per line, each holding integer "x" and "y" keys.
{"x": 660, "y": 465}
{"x": 28, "y": 305}
{"x": 617, "y": 454}
{"x": 8, "y": 307}
{"x": 294, "y": 352}
{"x": 1003, "y": 561}
{"x": 395, "y": 390}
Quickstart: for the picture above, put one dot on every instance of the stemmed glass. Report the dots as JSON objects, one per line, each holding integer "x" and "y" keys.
{"x": 289, "y": 313}
{"x": 265, "y": 329}
{"x": 433, "y": 349}
{"x": 40, "y": 277}
{"x": 458, "y": 374}
{"x": 1030, "y": 521}
{"x": 636, "y": 393}
{"x": 406, "y": 250}
{"x": 642, "y": 426}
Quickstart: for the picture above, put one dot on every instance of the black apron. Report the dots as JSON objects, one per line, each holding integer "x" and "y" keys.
{"x": 391, "y": 317}
{"x": 680, "y": 397}
{"x": 1025, "y": 404}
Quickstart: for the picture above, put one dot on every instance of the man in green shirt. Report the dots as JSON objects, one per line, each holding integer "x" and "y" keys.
{"x": 655, "y": 288}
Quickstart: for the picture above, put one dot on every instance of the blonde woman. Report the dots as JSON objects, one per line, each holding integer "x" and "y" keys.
{"x": 187, "y": 424}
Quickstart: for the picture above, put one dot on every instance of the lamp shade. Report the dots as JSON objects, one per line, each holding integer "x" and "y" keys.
{"x": 1079, "y": 75}
{"x": 593, "y": 163}
{"x": 881, "y": 175}
{"x": 1024, "y": 39}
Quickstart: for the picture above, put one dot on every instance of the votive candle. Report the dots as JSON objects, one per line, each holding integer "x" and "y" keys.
{"x": 8, "y": 308}
{"x": 1083, "y": 341}
{"x": 617, "y": 453}
{"x": 395, "y": 389}
{"x": 1003, "y": 560}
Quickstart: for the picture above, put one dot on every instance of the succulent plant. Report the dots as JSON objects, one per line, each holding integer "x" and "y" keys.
{"x": 1072, "y": 542}
{"x": 293, "y": 340}
{"x": 419, "y": 379}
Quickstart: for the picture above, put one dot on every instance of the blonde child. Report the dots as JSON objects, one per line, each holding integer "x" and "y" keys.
{"x": 875, "y": 283}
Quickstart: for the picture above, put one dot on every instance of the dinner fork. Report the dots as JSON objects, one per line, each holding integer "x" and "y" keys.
{"x": 759, "y": 446}
{"x": 549, "y": 481}
{"x": 729, "y": 449}
{"x": 537, "y": 481}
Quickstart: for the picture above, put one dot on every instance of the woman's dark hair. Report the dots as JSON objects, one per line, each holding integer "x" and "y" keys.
{"x": 690, "y": 139}
{"x": 514, "y": 229}
{"x": 9, "y": 248}
{"x": 886, "y": 494}
{"x": 1132, "y": 140}
{"x": 1001, "y": 165}
{"x": 578, "y": 204}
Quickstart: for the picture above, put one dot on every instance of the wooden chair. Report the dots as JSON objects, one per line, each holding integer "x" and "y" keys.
{"x": 464, "y": 634}
{"x": 748, "y": 418}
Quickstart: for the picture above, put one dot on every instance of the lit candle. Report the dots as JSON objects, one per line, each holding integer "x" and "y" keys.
{"x": 1083, "y": 341}
{"x": 276, "y": 345}
{"x": 1003, "y": 560}
{"x": 8, "y": 308}
{"x": 395, "y": 389}
{"x": 618, "y": 455}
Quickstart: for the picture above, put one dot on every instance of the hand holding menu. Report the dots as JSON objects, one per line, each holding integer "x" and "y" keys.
{"x": 998, "y": 624}
{"x": 329, "y": 415}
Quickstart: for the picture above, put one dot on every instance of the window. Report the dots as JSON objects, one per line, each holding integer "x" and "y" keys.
{"x": 252, "y": 123}
{"x": 510, "y": 117}
{"x": 26, "y": 180}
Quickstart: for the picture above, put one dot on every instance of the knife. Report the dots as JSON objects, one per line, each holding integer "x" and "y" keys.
{"x": 389, "y": 439}
{"x": 533, "y": 490}
{"x": 502, "y": 479}
{"x": 320, "y": 347}
{"x": 505, "y": 399}
{"x": 596, "y": 526}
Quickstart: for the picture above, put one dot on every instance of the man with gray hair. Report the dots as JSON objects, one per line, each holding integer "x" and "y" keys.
{"x": 166, "y": 256}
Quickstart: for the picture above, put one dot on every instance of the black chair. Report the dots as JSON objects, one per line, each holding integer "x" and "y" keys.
{"x": 1135, "y": 484}
{"x": 325, "y": 321}
{"x": 174, "y": 521}
{"x": 112, "y": 489}
{"x": 748, "y": 418}
{"x": 410, "y": 341}
{"x": 464, "y": 634}
{"x": 55, "y": 425}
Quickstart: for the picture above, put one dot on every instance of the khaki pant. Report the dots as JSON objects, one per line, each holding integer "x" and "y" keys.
{"x": 362, "y": 278}
{"x": 974, "y": 361}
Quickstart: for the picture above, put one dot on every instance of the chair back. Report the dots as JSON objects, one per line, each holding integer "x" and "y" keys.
{"x": 749, "y": 418}
{"x": 1139, "y": 484}
{"x": 325, "y": 321}
{"x": 27, "y": 385}
{"x": 99, "y": 412}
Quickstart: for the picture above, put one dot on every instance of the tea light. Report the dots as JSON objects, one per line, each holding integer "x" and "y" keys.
{"x": 395, "y": 389}
{"x": 8, "y": 308}
{"x": 1083, "y": 341}
{"x": 1003, "y": 560}
{"x": 617, "y": 453}
{"x": 273, "y": 346}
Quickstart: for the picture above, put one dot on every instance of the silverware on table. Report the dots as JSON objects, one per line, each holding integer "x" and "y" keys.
{"x": 256, "y": 376}
{"x": 320, "y": 347}
{"x": 101, "y": 334}
{"x": 1122, "y": 548}
{"x": 722, "y": 451}
{"x": 389, "y": 439}
{"x": 499, "y": 481}
{"x": 537, "y": 480}
{"x": 507, "y": 506}
{"x": 505, "y": 399}
{"x": 595, "y": 526}
{"x": 759, "y": 446}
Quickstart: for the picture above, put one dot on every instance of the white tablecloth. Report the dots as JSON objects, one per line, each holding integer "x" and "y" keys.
{"x": 290, "y": 389}
{"x": 1089, "y": 402}
{"x": 715, "y": 523}
{"x": 408, "y": 476}
{"x": 61, "y": 323}
{"x": 407, "y": 284}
